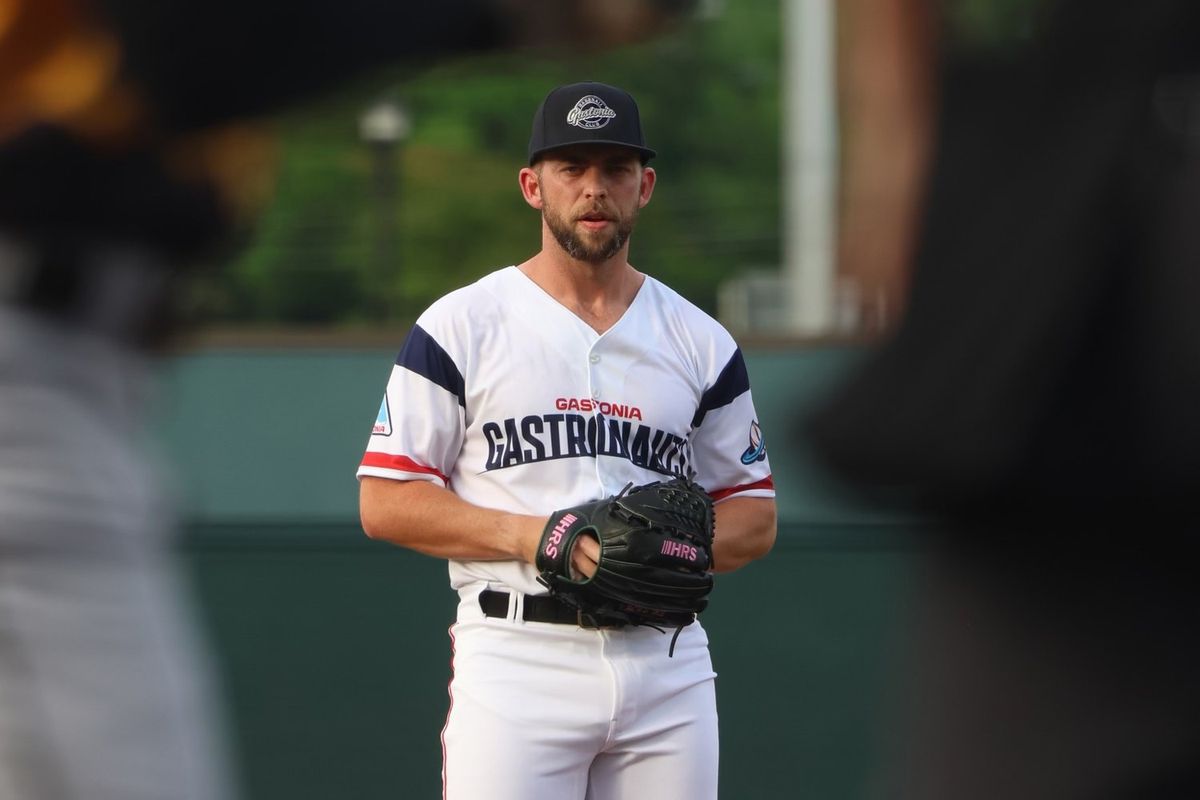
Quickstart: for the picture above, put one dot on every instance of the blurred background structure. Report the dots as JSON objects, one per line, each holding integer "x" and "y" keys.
{"x": 790, "y": 131}
{"x": 442, "y": 196}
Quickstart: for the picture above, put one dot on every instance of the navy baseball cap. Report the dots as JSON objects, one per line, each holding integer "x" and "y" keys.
{"x": 587, "y": 113}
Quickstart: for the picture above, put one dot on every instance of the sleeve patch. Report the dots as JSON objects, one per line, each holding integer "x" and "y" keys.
{"x": 757, "y": 450}
{"x": 383, "y": 422}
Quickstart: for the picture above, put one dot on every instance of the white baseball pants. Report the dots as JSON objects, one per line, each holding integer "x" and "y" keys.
{"x": 544, "y": 711}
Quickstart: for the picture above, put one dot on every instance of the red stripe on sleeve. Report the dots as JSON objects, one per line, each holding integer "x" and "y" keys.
{"x": 766, "y": 483}
{"x": 402, "y": 463}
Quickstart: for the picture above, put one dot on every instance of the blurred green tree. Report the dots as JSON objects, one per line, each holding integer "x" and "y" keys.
{"x": 710, "y": 100}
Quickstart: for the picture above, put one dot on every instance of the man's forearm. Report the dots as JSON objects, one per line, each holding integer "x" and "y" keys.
{"x": 430, "y": 519}
{"x": 745, "y": 531}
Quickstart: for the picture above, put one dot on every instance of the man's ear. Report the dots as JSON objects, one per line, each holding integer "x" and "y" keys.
{"x": 531, "y": 186}
{"x": 647, "y": 188}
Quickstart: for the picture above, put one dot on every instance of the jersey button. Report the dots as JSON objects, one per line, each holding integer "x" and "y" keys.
{"x": 594, "y": 358}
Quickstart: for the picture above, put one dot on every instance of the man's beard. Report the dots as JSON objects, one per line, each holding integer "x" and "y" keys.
{"x": 590, "y": 250}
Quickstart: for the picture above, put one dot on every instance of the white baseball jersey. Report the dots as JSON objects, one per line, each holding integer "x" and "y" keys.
{"x": 505, "y": 396}
{"x": 512, "y": 401}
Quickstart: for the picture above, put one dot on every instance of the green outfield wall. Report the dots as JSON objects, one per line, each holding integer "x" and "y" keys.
{"x": 333, "y": 651}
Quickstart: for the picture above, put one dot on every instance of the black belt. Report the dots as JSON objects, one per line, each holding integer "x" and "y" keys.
{"x": 541, "y": 608}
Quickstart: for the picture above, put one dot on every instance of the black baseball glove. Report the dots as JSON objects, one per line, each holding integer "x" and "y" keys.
{"x": 655, "y": 555}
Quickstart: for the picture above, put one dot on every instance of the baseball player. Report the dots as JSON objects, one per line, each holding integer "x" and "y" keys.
{"x": 546, "y": 384}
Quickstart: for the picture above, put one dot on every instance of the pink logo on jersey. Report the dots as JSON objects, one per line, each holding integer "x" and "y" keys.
{"x": 589, "y": 405}
{"x": 560, "y": 527}
{"x": 679, "y": 550}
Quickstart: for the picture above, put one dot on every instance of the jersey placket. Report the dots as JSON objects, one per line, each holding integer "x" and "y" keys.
{"x": 595, "y": 387}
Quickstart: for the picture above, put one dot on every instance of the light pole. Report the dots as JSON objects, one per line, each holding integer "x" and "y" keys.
{"x": 383, "y": 127}
{"x": 810, "y": 156}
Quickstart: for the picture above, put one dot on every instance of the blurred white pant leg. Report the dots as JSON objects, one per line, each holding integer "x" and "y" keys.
{"x": 104, "y": 689}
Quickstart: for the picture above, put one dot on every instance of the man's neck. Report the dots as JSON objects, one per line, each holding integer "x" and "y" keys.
{"x": 597, "y": 293}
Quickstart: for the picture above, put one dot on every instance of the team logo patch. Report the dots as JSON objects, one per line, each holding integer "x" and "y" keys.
{"x": 591, "y": 113}
{"x": 757, "y": 450}
{"x": 383, "y": 422}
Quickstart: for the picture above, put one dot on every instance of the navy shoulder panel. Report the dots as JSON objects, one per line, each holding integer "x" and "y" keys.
{"x": 424, "y": 356}
{"x": 733, "y": 381}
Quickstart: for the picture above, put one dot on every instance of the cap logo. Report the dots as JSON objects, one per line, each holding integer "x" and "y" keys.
{"x": 590, "y": 112}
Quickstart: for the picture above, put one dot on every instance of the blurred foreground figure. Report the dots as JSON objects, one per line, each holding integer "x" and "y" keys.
{"x": 122, "y": 162}
{"x": 1037, "y": 404}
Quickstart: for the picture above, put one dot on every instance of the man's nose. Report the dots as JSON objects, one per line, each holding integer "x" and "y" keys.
{"x": 594, "y": 184}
